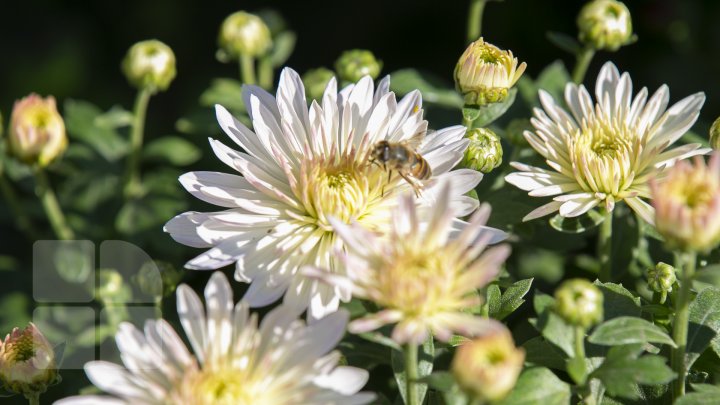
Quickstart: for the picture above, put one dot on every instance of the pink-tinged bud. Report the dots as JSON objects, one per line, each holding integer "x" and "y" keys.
{"x": 687, "y": 205}
{"x": 27, "y": 361}
{"x": 488, "y": 367}
{"x": 37, "y": 131}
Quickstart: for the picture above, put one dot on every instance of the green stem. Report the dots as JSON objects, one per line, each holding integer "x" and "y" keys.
{"x": 582, "y": 62}
{"x": 52, "y": 207}
{"x": 680, "y": 324}
{"x": 467, "y": 123}
{"x": 33, "y": 398}
{"x": 265, "y": 73}
{"x": 605, "y": 247}
{"x": 411, "y": 374}
{"x": 247, "y": 69}
{"x": 474, "y": 22}
{"x": 579, "y": 343}
{"x": 22, "y": 220}
{"x": 132, "y": 184}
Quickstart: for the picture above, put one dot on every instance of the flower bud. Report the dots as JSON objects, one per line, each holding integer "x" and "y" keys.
{"x": 37, "y": 131}
{"x": 605, "y": 24}
{"x": 315, "y": 81}
{"x": 111, "y": 287}
{"x": 687, "y": 205}
{"x": 661, "y": 277}
{"x": 27, "y": 362}
{"x": 352, "y": 65}
{"x": 484, "y": 152}
{"x": 715, "y": 134}
{"x": 149, "y": 65}
{"x": 484, "y": 73}
{"x": 244, "y": 34}
{"x": 487, "y": 367}
{"x": 579, "y": 303}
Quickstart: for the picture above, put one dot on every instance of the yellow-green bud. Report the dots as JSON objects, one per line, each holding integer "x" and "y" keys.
{"x": 27, "y": 362}
{"x": 661, "y": 277}
{"x": 149, "y": 65}
{"x": 352, "y": 65}
{"x": 484, "y": 152}
{"x": 244, "y": 34}
{"x": 715, "y": 134}
{"x": 487, "y": 367}
{"x": 315, "y": 81}
{"x": 484, "y": 73}
{"x": 112, "y": 288}
{"x": 37, "y": 131}
{"x": 605, "y": 24}
{"x": 579, "y": 302}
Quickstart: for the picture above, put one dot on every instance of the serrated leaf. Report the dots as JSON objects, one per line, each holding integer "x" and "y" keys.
{"x": 226, "y": 92}
{"x": 705, "y": 394}
{"x": 433, "y": 91}
{"x": 618, "y": 301}
{"x": 493, "y": 298}
{"x": 564, "y": 42}
{"x": 511, "y": 299}
{"x": 575, "y": 225}
{"x": 628, "y": 330}
{"x": 426, "y": 356}
{"x": 538, "y": 386}
{"x": 556, "y": 330}
{"x": 172, "y": 149}
{"x": 704, "y": 324}
{"x": 540, "y": 352}
{"x": 81, "y": 123}
{"x": 622, "y": 371}
{"x": 283, "y": 47}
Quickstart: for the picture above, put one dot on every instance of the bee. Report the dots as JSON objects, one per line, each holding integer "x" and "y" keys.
{"x": 403, "y": 158}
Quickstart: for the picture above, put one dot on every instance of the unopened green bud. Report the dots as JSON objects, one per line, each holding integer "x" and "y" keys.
{"x": 352, "y": 65}
{"x": 244, "y": 34}
{"x": 27, "y": 362}
{"x": 579, "y": 302}
{"x": 605, "y": 24}
{"x": 484, "y": 73}
{"x": 488, "y": 366}
{"x": 715, "y": 134}
{"x": 150, "y": 65}
{"x": 37, "y": 131}
{"x": 112, "y": 288}
{"x": 661, "y": 277}
{"x": 315, "y": 81}
{"x": 484, "y": 152}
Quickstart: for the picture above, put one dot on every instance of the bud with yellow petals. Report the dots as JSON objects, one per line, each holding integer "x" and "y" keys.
{"x": 37, "y": 131}
{"x": 27, "y": 362}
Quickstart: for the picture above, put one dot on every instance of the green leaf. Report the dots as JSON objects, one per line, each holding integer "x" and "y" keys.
{"x": 554, "y": 328}
{"x": 146, "y": 213}
{"x": 618, "y": 301}
{"x": 564, "y": 42}
{"x": 577, "y": 369}
{"x": 201, "y": 122}
{"x": 433, "y": 90}
{"x": 381, "y": 339}
{"x": 704, "y": 394}
{"x": 115, "y": 117}
{"x": 627, "y": 330}
{"x": 81, "y": 121}
{"x": 538, "y": 386}
{"x": 283, "y": 46}
{"x": 493, "y": 299}
{"x": 440, "y": 380}
{"x": 552, "y": 79}
{"x": 226, "y": 92}
{"x": 622, "y": 371}
{"x": 487, "y": 114}
{"x": 540, "y": 352}
{"x": 511, "y": 299}
{"x": 587, "y": 221}
{"x": 704, "y": 324}
{"x": 426, "y": 356}
{"x": 172, "y": 149}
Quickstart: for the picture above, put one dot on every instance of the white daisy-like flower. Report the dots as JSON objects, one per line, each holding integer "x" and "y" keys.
{"x": 235, "y": 361}
{"x": 423, "y": 276}
{"x": 606, "y": 152}
{"x": 302, "y": 166}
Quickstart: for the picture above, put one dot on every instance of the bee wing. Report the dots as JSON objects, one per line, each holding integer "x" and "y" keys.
{"x": 414, "y": 141}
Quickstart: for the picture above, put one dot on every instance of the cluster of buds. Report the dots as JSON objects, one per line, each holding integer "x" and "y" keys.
{"x": 27, "y": 362}
{"x": 484, "y": 152}
{"x": 579, "y": 302}
{"x": 315, "y": 81}
{"x": 352, "y": 65}
{"x": 37, "y": 131}
{"x": 149, "y": 65}
{"x": 488, "y": 366}
{"x": 687, "y": 205}
{"x": 485, "y": 73}
{"x": 244, "y": 34}
{"x": 605, "y": 24}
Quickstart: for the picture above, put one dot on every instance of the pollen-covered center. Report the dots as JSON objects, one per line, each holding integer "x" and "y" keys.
{"x": 224, "y": 386}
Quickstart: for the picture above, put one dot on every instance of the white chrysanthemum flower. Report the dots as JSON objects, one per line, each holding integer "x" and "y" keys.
{"x": 606, "y": 152}
{"x": 423, "y": 276}
{"x": 301, "y": 167}
{"x": 236, "y": 362}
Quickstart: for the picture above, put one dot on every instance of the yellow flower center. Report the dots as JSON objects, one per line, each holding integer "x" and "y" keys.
{"x": 22, "y": 349}
{"x": 39, "y": 117}
{"x": 223, "y": 386}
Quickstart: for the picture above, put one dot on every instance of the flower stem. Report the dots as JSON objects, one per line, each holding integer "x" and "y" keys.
{"x": 132, "y": 185}
{"x": 582, "y": 61}
{"x": 605, "y": 247}
{"x": 579, "y": 343}
{"x": 52, "y": 207}
{"x": 411, "y": 374}
{"x": 33, "y": 398}
{"x": 265, "y": 73}
{"x": 680, "y": 323}
{"x": 467, "y": 123}
{"x": 474, "y": 22}
{"x": 247, "y": 69}
{"x": 21, "y": 218}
